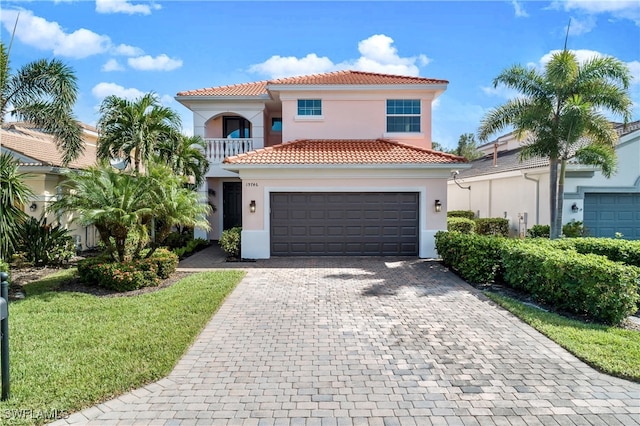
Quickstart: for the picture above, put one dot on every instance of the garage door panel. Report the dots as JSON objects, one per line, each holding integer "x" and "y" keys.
{"x": 607, "y": 214}
{"x": 298, "y": 214}
{"x": 344, "y": 224}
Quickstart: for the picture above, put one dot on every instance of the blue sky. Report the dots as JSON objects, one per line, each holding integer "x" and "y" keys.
{"x": 128, "y": 48}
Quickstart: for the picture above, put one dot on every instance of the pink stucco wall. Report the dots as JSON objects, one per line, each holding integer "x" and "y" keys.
{"x": 352, "y": 115}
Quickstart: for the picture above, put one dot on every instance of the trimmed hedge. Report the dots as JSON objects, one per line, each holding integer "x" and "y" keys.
{"x": 130, "y": 275}
{"x": 590, "y": 285}
{"x": 467, "y": 214}
{"x": 492, "y": 226}
{"x": 461, "y": 224}
{"x": 584, "y": 284}
{"x": 475, "y": 258}
{"x": 624, "y": 251}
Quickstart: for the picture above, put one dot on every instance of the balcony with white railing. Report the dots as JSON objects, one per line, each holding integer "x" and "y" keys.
{"x": 216, "y": 150}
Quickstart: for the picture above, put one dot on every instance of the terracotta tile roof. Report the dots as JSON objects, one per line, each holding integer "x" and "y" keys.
{"x": 330, "y": 78}
{"x": 23, "y": 139}
{"x": 246, "y": 89}
{"x": 344, "y": 151}
{"x": 355, "y": 77}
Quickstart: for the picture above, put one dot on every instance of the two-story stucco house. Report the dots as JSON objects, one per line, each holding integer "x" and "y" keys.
{"x": 328, "y": 164}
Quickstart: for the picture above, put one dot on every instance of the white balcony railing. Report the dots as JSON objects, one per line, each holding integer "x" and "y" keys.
{"x": 216, "y": 150}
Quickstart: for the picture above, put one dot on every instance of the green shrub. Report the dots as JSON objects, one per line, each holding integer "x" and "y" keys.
{"x": 130, "y": 275}
{"x": 191, "y": 247}
{"x": 539, "y": 231}
{"x": 588, "y": 285}
{"x": 467, "y": 214}
{"x": 178, "y": 239}
{"x": 166, "y": 262}
{"x": 42, "y": 245}
{"x": 475, "y": 258}
{"x": 574, "y": 229}
{"x": 230, "y": 241}
{"x": 624, "y": 251}
{"x": 461, "y": 224}
{"x": 119, "y": 276}
{"x": 492, "y": 226}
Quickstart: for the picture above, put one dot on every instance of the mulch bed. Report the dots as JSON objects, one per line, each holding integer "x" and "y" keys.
{"x": 22, "y": 276}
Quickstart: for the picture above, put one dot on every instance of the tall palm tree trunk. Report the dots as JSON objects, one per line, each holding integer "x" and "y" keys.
{"x": 553, "y": 199}
{"x": 560, "y": 197}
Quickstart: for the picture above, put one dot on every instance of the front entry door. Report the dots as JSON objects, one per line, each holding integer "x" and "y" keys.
{"x": 231, "y": 204}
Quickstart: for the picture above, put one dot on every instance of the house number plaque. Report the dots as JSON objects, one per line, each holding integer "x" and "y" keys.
{"x": 252, "y": 184}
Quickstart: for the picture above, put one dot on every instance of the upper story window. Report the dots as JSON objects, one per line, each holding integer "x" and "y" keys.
{"x": 276, "y": 124}
{"x": 307, "y": 107}
{"x": 236, "y": 127}
{"x": 403, "y": 115}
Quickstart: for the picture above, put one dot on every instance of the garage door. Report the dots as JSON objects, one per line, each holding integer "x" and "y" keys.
{"x": 606, "y": 214}
{"x": 339, "y": 224}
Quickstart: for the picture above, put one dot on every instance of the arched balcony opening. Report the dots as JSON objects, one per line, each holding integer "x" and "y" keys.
{"x": 227, "y": 135}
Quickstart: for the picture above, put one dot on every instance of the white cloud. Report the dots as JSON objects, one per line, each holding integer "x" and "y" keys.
{"x": 123, "y": 6}
{"x": 500, "y": 92}
{"x": 102, "y": 90}
{"x": 126, "y": 50}
{"x": 159, "y": 63}
{"x": 520, "y": 12}
{"x": 377, "y": 54}
{"x": 581, "y": 26}
{"x": 582, "y": 55}
{"x": 634, "y": 67}
{"x": 621, "y": 9}
{"x": 281, "y": 66}
{"x": 112, "y": 65}
{"x": 40, "y": 33}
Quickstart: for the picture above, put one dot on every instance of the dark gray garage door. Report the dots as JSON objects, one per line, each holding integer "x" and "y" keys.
{"x": 338, "y": 224}
{"x": 606, "y": 214}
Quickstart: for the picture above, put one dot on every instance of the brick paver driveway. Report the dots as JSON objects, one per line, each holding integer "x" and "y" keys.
{"x": 370, "y": 341}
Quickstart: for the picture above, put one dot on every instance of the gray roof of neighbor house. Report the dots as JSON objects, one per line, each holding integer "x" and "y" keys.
{"x": 509, "y": 160}
{"x": 32, "y": 147}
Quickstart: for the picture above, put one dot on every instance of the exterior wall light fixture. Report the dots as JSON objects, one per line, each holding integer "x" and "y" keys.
{"x": 252, "y": 206}
{"x": 33, "y": 207}
{"x": 574, "y": 208}
{"x": 438, "y": 206}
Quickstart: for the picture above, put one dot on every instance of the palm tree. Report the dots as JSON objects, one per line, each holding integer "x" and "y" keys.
{"x": 116, "y": 203}
{"x": 185, "y": 156}
{"x": 561, "y": 110}
{"x": 43, "y": 92}
{"x": 14, "y": 193}
{"x": 134, "y": 128}
{"x": 122, "y": 205}
{"x": 173, "y": 204}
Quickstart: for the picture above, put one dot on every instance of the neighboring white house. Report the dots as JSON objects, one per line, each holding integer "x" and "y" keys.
{"x": 38, "y": 156}
{"x": 500, "y": 185}
{"x": 327, "y": 164}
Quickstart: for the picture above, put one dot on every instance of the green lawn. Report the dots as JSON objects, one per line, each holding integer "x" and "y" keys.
{"x": 612, "y": 350}
{"x": 71, "y": 350}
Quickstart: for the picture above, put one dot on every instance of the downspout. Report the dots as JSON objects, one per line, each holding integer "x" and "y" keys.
{"x": 537, "y": 181}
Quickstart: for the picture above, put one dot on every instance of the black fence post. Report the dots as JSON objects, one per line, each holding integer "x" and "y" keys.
{"x": 4, "y": 331}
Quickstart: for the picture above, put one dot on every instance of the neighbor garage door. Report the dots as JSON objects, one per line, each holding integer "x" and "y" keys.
{"x": 351, "y": 224}
{"x": 606, "y": 214}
